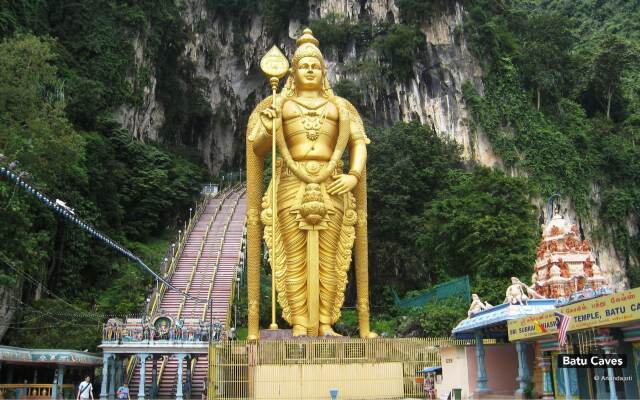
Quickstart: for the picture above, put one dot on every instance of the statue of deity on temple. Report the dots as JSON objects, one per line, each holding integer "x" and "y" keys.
{"x": 320, "y": 204}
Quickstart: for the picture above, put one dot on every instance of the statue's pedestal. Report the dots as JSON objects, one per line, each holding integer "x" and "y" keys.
{"x": 276, "y": 334}
{"x": 287, "y": 334}
{"x": 311, "y": 367}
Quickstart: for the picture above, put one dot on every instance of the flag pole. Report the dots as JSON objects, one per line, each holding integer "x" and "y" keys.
{"x": 565, "y": 372}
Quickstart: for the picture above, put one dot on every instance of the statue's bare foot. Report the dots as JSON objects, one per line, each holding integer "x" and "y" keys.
{"x": 299, "y": 330}
{"x": 326, "y": 330}
{"x": 369, "y": 335}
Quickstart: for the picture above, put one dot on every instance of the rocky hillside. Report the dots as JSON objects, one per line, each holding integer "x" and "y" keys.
{"x": 225, "y": 58}
{"x": 223, "y": 52}
{"x": 123, "y": 109}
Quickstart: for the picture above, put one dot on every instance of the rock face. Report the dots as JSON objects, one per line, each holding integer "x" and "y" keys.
{"x": 233, "y": 85}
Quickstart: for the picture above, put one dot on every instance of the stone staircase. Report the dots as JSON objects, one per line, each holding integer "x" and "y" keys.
{"x": 205, "y": 270}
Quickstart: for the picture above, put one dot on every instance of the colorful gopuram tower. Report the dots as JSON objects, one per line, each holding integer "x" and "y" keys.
{"x": 564, "y": 263}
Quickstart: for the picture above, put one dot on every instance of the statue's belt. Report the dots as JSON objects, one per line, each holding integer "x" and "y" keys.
{"x": 311, "y": 167}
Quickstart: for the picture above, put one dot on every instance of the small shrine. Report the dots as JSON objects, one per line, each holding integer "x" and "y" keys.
{"x": 564, "y": 264}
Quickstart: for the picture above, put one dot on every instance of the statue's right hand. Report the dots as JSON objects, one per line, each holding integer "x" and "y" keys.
{"x": 270, "y": 115}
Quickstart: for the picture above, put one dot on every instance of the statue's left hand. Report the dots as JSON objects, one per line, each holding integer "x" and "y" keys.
{"x": 343, "y": 183}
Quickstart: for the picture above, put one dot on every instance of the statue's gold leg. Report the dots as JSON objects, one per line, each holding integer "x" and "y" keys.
{"x": 327, "y": 330}
{"x": 299, "y": 330}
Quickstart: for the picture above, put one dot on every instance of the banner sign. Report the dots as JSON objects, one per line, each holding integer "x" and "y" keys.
{"x": 606, "y": 310}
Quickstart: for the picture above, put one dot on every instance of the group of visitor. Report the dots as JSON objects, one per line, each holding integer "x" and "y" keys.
{"x": 85, "y": 390}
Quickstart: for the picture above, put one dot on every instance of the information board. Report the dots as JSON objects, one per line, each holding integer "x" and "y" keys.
{"x": 600, "y": 311}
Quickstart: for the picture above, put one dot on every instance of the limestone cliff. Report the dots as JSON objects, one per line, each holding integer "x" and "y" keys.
{"x": 233, "y": 85}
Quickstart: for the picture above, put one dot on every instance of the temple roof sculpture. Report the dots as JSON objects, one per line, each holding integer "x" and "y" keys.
{"x": 564, "y": 264}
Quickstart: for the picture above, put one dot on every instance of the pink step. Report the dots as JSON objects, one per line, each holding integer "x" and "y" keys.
{"x": 226, "y": 259}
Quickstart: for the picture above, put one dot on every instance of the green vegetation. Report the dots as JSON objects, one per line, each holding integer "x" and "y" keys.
{"x": 336, "y": 32}
{"x": 439, "y": 219}
{"x": 131, "y": 191}
{"x": 561, "y": 103}
{"x": 436, "y": 319}
{"x": 416, "y": 11}
{"x": 396, "y": 47}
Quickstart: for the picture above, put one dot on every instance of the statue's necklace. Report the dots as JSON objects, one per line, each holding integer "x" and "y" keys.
{"x": 312, "y": 121}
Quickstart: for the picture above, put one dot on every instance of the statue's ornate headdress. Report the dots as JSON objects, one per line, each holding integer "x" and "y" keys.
{"x": 307, "y": 47}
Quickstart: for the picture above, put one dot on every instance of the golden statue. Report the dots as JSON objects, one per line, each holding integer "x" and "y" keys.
{"x": 320, "y": 209}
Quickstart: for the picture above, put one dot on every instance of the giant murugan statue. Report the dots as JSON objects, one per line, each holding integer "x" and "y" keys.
{"x": 320, "y": 209}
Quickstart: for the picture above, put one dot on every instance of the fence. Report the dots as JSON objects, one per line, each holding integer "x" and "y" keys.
{"x": 242, "y": 370}
{"x": 454, "y": 288}
{"x": 34, "y": 390}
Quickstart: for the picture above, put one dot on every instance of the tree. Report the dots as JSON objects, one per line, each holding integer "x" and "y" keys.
{"x": 482, "y": 225}
{"x": 406, "y": 167}
{"x": 35, "y": 132}
{"x": 543, "y": 56}
{"x": 615, "y": 56}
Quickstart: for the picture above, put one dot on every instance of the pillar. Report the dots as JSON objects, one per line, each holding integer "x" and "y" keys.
{"x": 54, "y": 387}
{"x": 523, "y": 368}
{"x": 143, "y": 369}
{"x": 547, "y": 385}
{"x": 179, "y": 381}
{"x": 61, "y": 380}
{"x": 119, "y": 372}
{"x": 601, "y": 391}
{"x": 154, "y": 377}
{"x": 610, "y": 375}
{"x": 105, "y": 376}
{"x": 112, "y": 378}
{"x": 481, "y": 380}
{"x": 188, "y": 377}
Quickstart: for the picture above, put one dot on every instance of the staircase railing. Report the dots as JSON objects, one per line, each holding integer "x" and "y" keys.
{"x": 131, "y": 368}
{"x": 224, "y": 194}
{"x": 175, "y": 256}
{"x": 240, "y": 261}
{"x": 161, "y": 370}
{"x": 197, "y": 262}
{"x": 217, "y": 263}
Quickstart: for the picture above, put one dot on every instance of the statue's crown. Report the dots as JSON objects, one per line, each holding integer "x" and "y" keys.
{"x": 307, "y": 37}
{"x": 307, "y": 47}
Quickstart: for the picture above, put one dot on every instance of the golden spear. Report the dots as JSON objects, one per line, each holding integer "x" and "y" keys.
{"x": 274, "y": 65}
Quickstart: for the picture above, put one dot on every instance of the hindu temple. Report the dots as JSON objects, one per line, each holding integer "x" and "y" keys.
{"x": 564, "y": 262}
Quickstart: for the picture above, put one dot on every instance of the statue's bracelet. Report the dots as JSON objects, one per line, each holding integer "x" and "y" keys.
{"x": 356, "y": 174}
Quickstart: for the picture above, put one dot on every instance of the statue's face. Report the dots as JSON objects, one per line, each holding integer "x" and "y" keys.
{"x": 308, "y": 73}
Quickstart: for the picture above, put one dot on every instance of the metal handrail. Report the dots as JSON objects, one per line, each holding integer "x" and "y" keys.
{"x": 235, "y": 283}
{"x": 195, "y": 265}
{"x": 182, "y": 239}
{"x": 225, "y": 194}
{"x": 217, "y": 263}
{"x": 161, "y": 370}
{"x": 131, "y": 367}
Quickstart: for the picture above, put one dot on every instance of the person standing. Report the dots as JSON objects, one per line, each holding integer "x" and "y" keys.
{"x": 123, "y": 392}
{"x": 85, "y": 390}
